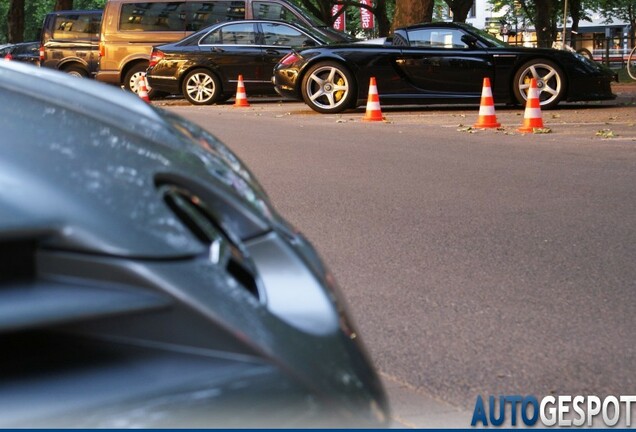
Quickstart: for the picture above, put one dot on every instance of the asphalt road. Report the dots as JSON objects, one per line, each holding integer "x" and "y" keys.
{"x": 474, "y": 262}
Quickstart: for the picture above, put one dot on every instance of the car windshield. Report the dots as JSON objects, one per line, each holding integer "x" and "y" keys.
{"x": 489, "y": 38}
{"x": 316, "y": 22}
{"x": 316, "y": 35}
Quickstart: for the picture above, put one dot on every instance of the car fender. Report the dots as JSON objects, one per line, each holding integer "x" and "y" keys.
{"x": 353, "y": 68}
{"x": 538, "y": 56}
{"x": 191, "y": 65}
{"x": 73, "y": 61}
{"x": 131, "y": 61}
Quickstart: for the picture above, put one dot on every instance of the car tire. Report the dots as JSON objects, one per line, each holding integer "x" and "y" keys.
{"x": 328, "y": 87}
{"x": 550, "y": 82}
{"x": 132, "y": 77}
{"x": 201, "y": 87}
{"x": 76, "y": 71}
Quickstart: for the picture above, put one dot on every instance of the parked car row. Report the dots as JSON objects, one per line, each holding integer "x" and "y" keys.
{"x": 114, "y": 45}
{"x": 199, "y": 48}
{"x": 131, "y": 28}
{"x": 204, "y": 67}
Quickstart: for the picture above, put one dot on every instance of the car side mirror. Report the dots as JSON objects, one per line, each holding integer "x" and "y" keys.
{"x": 308, "y": 43}
{"x": 469, "y": 40}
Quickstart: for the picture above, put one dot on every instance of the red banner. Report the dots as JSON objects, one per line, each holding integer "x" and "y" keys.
{"x": 339, "y": 23}
{"x": 366, "y": 17}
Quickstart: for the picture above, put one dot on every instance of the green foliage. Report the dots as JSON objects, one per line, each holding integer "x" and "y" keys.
{"x": 4, "y": 9}
{"x": 34, "y": 11}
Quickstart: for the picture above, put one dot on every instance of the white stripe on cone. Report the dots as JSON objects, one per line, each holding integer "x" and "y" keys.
{"x": 532, "y": 113}
{"x": 486, "y": 110}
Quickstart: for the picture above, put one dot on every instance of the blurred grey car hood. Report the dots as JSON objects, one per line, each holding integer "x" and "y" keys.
{"x": 117, "y": 152}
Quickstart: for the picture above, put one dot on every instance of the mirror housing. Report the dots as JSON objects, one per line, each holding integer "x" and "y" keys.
{"x": 470, "y": 40}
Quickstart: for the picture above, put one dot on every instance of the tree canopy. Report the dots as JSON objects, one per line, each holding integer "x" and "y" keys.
{"x": 24, "y": 17}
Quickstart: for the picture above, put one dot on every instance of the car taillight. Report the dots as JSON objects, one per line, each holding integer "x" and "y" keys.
{"x": 289, "y": 59}
{"x": 41, "y": 53}
{"x": 102, "y": 49}
{"x": 8, "y": 56}
{"x": 156, "y": 57}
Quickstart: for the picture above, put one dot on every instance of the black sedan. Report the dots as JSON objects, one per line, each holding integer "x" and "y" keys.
{"x": 147, "y": 281}
{"x": 437, "y": 63}
{"x": 205, "y": 66}
{"x": 28, "y": 52}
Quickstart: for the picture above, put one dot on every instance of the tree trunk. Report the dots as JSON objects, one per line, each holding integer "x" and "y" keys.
{"x": 460, "y": 9}
{"x": 575, "y": 13}
{"x": 408, "y": 12}
{"x": 382, "y": 19}
{"x": 15, "y": 21}
{"x": 543, "y": 23}
{"x": 63, "y": 5}
{"x": 321, "y": 11}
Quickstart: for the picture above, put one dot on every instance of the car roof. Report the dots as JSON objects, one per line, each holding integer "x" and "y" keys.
{"x": 435, "y": 24}
{"x": 24, "y": 45}
{"x": 77, "y": 12}
{"x": 312, "y": 33}
{"x": 81, "y": 159}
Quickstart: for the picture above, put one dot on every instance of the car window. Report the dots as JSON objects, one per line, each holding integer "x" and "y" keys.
{"x": 282, "y": 35}
{"x": 28, "y": 49}
{"x": 153, "y": 16}
{"x": 274, "y": 11}
{"x": 231, "y": 34}
{"x": 204, "y": 14}
{"x": 437, "y": 38}
{"x": 74, "y": 26}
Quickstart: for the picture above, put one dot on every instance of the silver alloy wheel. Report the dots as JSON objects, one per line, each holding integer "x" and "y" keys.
{"x": 134, "y": 82}
{"x": 327, "y": 87}
{"x": 75, "y": 73}
{"x": 549, "y": 82}
{"x": 200, "y": 88}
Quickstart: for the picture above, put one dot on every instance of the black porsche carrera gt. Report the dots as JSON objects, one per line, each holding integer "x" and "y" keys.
{"x": 437, "y": 63}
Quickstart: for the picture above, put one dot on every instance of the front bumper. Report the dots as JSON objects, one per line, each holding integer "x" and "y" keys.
{"x": 163, "y": 84}
{"x": 284, "y": 81}
{"x": 109, "y": 77}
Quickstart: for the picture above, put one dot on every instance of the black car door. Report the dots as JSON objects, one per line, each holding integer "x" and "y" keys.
{"x": 232, "y": 50}
{"x": 439, "y": 64}
{"x": 278, "y": 40}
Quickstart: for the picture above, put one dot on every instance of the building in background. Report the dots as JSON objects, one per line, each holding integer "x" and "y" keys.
{"x": 599, "y": 37}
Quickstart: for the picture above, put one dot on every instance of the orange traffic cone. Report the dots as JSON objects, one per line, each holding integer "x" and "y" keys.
{"x": 532, "y": 115}
{"x": 374, "y": 113}
{"x": 241, "y": 97}
{"x": 487, "y": 117}
{"x": 143, "y": 88}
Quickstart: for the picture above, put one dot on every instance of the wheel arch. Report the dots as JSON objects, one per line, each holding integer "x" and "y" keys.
{"x": 71, "y": 62}
{"x": 129, "y": 65}
{"x": 183, "y": 73}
